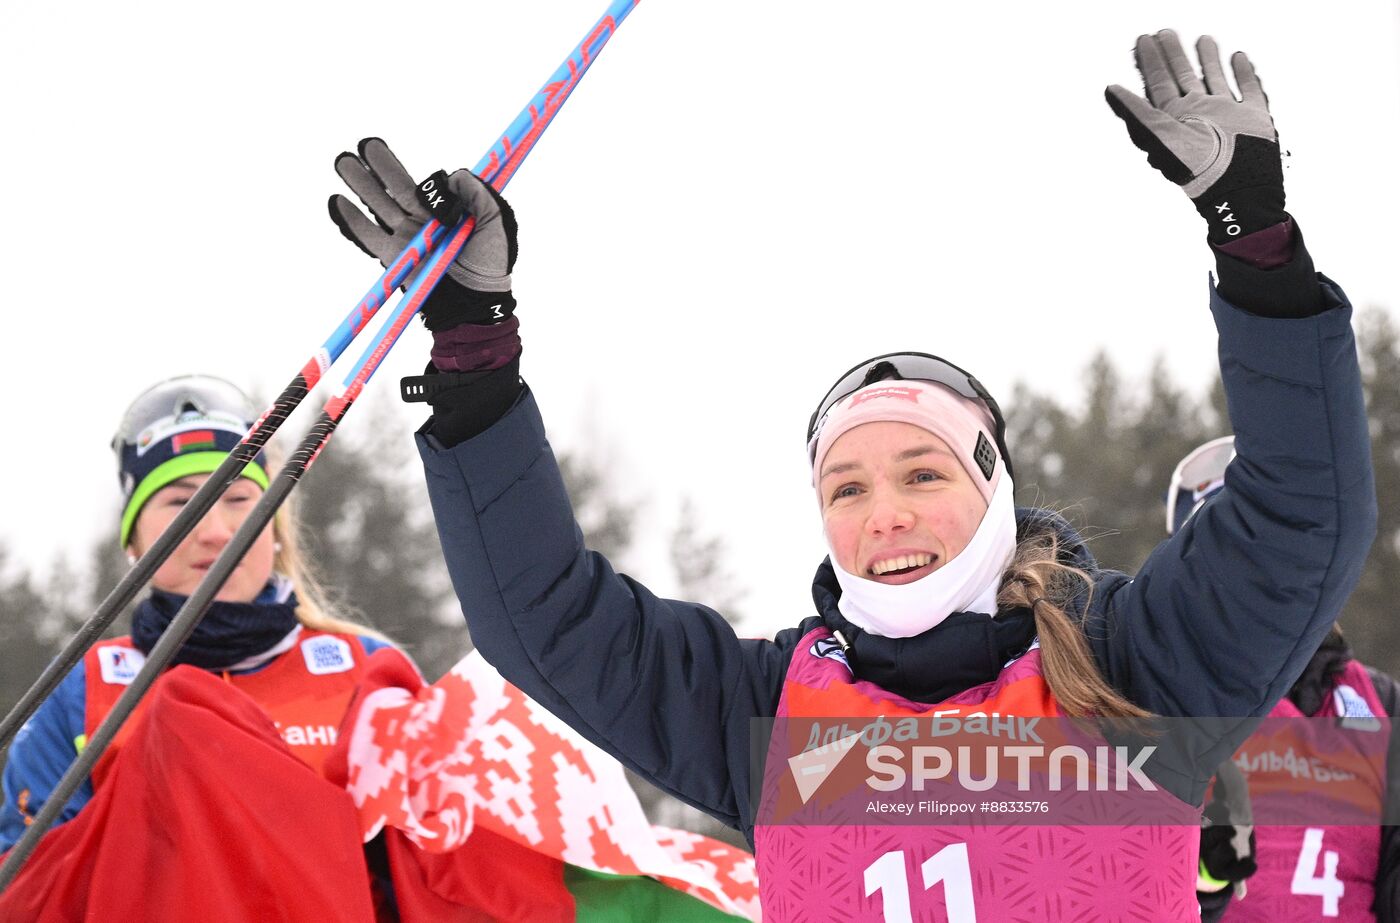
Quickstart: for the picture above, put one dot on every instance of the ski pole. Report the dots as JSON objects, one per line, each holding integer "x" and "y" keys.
{"x": 496, "y": 167}
{"x": 503, "y": 160}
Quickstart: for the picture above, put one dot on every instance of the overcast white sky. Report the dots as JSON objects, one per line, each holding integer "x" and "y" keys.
{"x": 739, "y": 202}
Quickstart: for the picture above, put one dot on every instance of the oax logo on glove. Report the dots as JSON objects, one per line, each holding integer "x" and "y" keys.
{"x": 436, "y": 197}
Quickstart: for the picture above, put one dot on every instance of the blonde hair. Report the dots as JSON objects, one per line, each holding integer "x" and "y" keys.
{"x": 314, "y": 609}
{"x": 1037, "y": 580}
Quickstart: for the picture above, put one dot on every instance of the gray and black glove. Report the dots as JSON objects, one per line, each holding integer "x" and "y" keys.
{"x": 474, "y": 375}
{"x": 1222, "y": 151}
{"x": 476, "y": 289}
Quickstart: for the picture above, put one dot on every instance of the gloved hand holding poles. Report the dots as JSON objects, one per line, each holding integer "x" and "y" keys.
{"x": 477, "y": 287}
{"x": 474, "y": 375}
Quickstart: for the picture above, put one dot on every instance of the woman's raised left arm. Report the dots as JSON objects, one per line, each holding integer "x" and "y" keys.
{"x": 1223, "y": 616}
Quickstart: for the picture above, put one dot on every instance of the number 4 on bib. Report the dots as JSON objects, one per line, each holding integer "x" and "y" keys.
{"x": 1306, "y": 880}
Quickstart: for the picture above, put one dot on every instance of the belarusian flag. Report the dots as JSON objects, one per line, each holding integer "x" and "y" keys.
{"x": 516, "y": 814}
{"x": 491, "y": 877}
{"x": 194, "y": 440}
{"x": 205, "y": 816}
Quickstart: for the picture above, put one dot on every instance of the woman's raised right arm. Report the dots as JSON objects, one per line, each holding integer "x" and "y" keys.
{"x": 665, "y": 686}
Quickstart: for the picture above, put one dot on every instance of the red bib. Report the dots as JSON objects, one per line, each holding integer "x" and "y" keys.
{"x": 304, "y": 690}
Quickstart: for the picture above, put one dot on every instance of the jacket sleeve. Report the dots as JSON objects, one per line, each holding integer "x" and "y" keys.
{"x": 1223, "y": 617}
{"x": 1387, "y": 906}
{"x": 40, "y": 754}
{"x": 665, "y": 686}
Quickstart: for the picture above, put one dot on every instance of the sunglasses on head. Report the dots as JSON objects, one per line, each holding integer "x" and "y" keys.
{"x": 913, "y": 367}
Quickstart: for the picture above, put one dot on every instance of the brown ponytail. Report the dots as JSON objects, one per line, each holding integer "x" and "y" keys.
{"x": 1038, "y": 581}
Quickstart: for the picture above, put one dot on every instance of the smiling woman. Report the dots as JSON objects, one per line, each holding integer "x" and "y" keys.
{"x": 897, "y": 474}
{"x": 868, "y": 506}
{"x": 939, "y": 598}
{"x": 919, "y": 530}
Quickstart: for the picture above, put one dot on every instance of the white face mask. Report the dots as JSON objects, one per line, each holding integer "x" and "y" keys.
{"x": 968, "y": 583}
